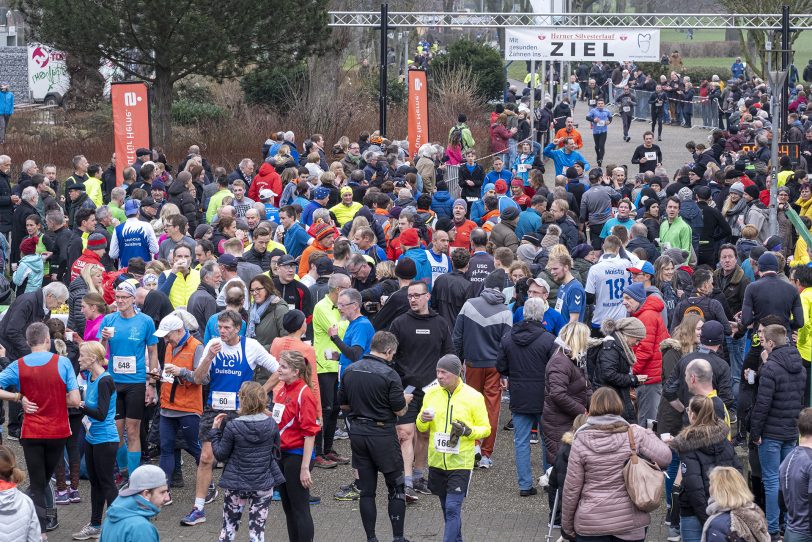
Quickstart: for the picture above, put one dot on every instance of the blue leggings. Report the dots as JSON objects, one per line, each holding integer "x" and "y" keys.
{"x": 452, "y": 512}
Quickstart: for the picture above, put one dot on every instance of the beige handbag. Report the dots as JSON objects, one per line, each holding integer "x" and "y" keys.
{"x": 645, "y": 482}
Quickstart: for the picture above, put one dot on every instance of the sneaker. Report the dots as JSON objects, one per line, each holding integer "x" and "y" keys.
{"x": 485, "y": 463}
{"x": 211, "y": 494}
{"x": 88, "y": 532}
{"x": 340, "y": 434}
{"x": 509, "y": 425}
{"x": 775, "y": 537}
{"x": 195, "y": 517}
{"x": 73, "y": 495}
{"x": 51, "y": 523}
{"x": 14, "y": 435}
{"x": 411, "y": 495}
{"x": 336, "y": 458}
{"x": 177, "y": 479}
{"x": 534, "y": 437}
{"x": 421, "y": 486}
{"x": 62, "y": 497}
{"x": 323, "y": 462}
{"x": 276, "y": 496}
{"x": 120, "y": 480}
{"x": 315, "y": 499}
{"x": 347, "y": 493}
{"x": 667, "y": 520}
{"x": 673, "y": 534}
{"x": 528, "y": 492}
{"x": 733, "y": 417}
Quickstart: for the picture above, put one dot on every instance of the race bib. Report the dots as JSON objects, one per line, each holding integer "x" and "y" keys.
{"x": 441, "y": 444}
{"x": 522, "y": 168}
{"x": 651, "y": 156}
{"x": 432, "y": 384}
{"x": 592, "y": 102}
{"x": 559, "y": 303}
{"x": 166, "y": 377}
{"x": 601, "y": 123}
{"x": 471, "y": 199}
{"x": 276, "y": 413}
{"x": 626, "y": 108}
{"x": 224, "y": 400}
{"x": 291, "y": 307}
{"x": 124, "y": 365}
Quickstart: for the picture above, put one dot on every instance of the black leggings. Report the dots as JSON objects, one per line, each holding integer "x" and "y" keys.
{"x": 600, "y": 146}
{"x": 100, "y": 460}
{"x": 657, "y": 116}
{"x": 367, "y": 483}
{"x": 41, "y": 457}
{"x": 74, "y": 455}
{"x": 295, "y": 500}
{"x": 328, "y": 389}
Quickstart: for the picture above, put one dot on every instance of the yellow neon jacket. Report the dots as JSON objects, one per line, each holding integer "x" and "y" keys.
{"x": 464, "y": 404}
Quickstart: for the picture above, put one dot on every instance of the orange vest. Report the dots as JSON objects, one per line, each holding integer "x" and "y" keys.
{"x": 178, "y": 395}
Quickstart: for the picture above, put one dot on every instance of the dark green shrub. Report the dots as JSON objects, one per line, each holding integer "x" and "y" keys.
{"x": 190, "y": 112}
{"x": 275, "y": 87}
{"x": 485, "y": 62}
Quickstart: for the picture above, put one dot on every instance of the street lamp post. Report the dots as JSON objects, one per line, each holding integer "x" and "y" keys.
{"x": 776, "y": 79}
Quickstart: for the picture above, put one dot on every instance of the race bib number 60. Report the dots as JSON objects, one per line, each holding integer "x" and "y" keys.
{"x": 224, "y": 400}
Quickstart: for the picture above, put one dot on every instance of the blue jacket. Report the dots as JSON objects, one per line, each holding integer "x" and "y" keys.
{"x": 562, "y": 160}
{"x": 442, "y": 204}
{"x": 478, "y": 211}
{"x": 6, "y": 103}
{"x": 128, "y": 520}
{"x": 529, "y": 221}
{"x": 493, "y": 176}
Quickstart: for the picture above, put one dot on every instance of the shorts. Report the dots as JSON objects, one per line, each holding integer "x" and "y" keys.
{"x": 414, "y": 408}
{"x": 442, "y": 482}
{"x": 380, "y": 452}
{"x": 130, "y": 401}
{"x": 207, "y": 419}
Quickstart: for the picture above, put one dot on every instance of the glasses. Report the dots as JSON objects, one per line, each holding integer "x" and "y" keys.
{"x": 342, "y": 305}
{"x": 257, "y": 290}
{"x": 416, "y": 296}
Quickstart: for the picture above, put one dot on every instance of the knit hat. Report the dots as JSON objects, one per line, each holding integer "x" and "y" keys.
{"x": 500, "y": 186}
{"x": 158, "y": 184}
{"x": 488, "y": 187}
{"x": 201, "y": 231}
{"x": 767, "y": 262}
{"x": 629, "y": 326}
{"x": 581, "y": 251}
{"x": 737, "y": 188}
{"x": 346, "y": 190}
{"x": 677, "y": 256}
{"x": 517, "y": 182}
{"x": 494, "y": 280}
{"x": 394, "y": 212}
{"x": 409, "y": 238}
{"x": 636, "y": 291}
{"x": 459, "y": 202}
{"x": 320, "y": 231}
{"x": 444, "y": 224}
{"x": 712, "y": 333}
{"x": 533, "y": 238}
{"x": 685, "y": 194}
{"x": 526, "y": 253}
{"x": 450, "y": 363}
{"x": 29, "y": 245}
{"x": 292, "y": 320}
{"x": 509, "y": 213}
{"x": 699, "y": 171}
{"x": 405, "y": 269}
{"x": 732, "y": 174}
{"x": 752, "y": 191}
{"x": 96, "y": 241}
{"x": 321, "y": 193}
{"x": 183, "y": 177}
{"x": 572, "y": 173}
{"x": 773, "y": 243}
{"x": 551, "y": 238}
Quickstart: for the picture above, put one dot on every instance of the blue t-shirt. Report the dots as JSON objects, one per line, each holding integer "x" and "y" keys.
{"x": 272, "y": 212}
{"x": 571, "y": 299}
{"x": 612, "y": 222}
{"x": 128, "y": 347}
{"x": 553, "y": 321}
{"x": 296, "y": 240}
{"x": 11, "y": 374}
{"x": 359, "y": 333}
{"x": 212, "y": 330}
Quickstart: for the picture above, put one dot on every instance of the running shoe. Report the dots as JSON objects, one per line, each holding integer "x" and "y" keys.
{"x": 195, "y": 516}
{"x": 170, "y": 501}
{"x": 212, "y": 493}
{"x": 421, "y": 486}
{"x": 88, "y": 532}
{"x": 673, "y": 534}
{"x": 62, "y": 497}
{"x": 323, "y": 462}
{"x": 411, "y": 495}
{"x": 485, "y": 463}
{"x": 73, "y": 495}
{"x": 340, "y": 434}
{"x": 509, "y": 425}
{"x": 337, "y": 458}
{"x": 347, "y": 493}
{"x": 315, "y": 499}
{"x": 276, "y": 496}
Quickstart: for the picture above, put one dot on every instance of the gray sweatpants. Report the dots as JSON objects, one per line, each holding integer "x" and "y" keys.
{"x": 648, "y": 400}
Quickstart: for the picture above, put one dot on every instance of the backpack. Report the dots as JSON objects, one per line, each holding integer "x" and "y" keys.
{"x": 695, "y": 308}
{"x": 455, "y": 137}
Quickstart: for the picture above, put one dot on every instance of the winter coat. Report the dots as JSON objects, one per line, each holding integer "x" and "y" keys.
{"x": 523, "y": 356}
{"x": 18, "y": 516}
{"x": 700, "y": 449}
{"x": 504, "y": 235}
{"x": 779, "y": 399}
{"x": 30, "y": 268}
{"x": 27, "y": 309}
{"x": 427, "y": 171}
{"x": 744, "y": 524}
{"x": 266, "y": 178}
{"x": 6, "y": 207}
{"x": 649, "y": 358}
{"x": 249, "y": 446}
{"x": 615, "y": 371}
{"x": 443, "y": 204}
{"x": 76, "y": 292}
{"x": 499, "y": 138}
{"x": 675, "y": 386}
{"x": 18, "y": 231}
{"x": 477, "y": 176}
{"x": 732, "y": 287}
{"x": 186, "y": 202}
{"x": 595, "y": 501}
{"x": 270, "y": 323}
{"x": 566, "y": 395}
{"x": 448, "y": 295}
{"x": 479, "y": 328}
{"x": 669, "y": 420}
{"x": 129, "y": 519}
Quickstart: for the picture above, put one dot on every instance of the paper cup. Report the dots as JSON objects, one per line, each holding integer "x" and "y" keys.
{"x": 69, "y": 336}
{"x": 111, "y": 330}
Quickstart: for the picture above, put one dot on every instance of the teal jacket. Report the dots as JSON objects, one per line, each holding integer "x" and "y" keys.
{"x": 128, "y": 520}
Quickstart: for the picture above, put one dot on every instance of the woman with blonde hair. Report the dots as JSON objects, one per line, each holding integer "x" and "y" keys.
{"x": 566, "y": 389}
{"x": 733, "y": 514}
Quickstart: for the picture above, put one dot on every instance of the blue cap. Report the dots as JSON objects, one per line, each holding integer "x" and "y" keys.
{"x": 644, "y": 267}
{"x": 487, "y": 187}
{"x": 131, "y": 207}
{"x": 321, "y": 193}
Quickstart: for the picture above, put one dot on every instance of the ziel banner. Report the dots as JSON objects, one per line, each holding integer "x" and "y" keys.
{"x": 590, "y": 44}
{"x": 418, "y": 110}
{"x": 131, "y": 123}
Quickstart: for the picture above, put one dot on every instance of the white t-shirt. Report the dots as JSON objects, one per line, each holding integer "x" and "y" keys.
{"x": 607, "y": 279}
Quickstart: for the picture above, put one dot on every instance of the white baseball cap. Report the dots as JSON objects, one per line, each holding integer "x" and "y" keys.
{"x": 169, "y": 323}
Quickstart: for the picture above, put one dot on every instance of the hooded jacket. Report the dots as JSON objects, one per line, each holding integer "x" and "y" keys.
{"x": 504, "y": 235}
{"x": 18, "y": 516}
{"x": 30, "y": 267}
{"x": 522, "y": 358}
{"x": 595, "y": 501}
{"x": 186, "y": 202}
{"x": 700, "y": 449}
{"x": 780, "y": 394}
{"x": 442, "y": 204}
{"x": 267, "y": 178}
{"x": 566, "y": 395}
{"x": 743, "y": 524}
{"x": 479, "y": 328}
{"x": 249, "y": 445}
{"x": 649, "y": 358}
{"x": 129, "y": 519}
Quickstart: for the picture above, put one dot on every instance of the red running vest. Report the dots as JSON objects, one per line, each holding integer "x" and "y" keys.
{"x": 43, "y": 385}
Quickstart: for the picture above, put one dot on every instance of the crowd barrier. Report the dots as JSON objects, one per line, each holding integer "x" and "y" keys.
{"x": 705, "y": 113}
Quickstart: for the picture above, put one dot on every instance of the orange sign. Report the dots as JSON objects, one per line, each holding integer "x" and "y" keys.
{"x": 131, "y": 123}
{"x": 418, "y": 110}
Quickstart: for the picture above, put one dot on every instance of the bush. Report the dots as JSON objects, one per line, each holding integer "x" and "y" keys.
{"x": 395, "y": 89}
{"x": 485, "y": 63}
{"x": 275, "y": 87}
{"x": 187, "y": 112}
{"x": 696, "y": 73}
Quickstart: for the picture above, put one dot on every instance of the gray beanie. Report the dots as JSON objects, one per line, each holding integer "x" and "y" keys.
{"x": 450, "y": 363}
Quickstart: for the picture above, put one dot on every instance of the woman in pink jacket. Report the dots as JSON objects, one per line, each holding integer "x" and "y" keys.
{"x": 596, "y": 506}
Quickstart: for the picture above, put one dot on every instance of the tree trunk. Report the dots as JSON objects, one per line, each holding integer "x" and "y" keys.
{"x": 162, "y": 94}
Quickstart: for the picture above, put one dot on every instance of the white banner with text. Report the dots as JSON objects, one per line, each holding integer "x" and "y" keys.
{"x": 590, "y": 44}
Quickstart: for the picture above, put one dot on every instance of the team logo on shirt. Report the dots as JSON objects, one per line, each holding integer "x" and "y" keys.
{"x": 422, "y": 331}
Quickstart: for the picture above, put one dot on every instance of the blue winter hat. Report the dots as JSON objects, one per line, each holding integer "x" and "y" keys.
{"x": 636, "y": 291}
{"x": 767, "y": 262}
{"x": 321, "y": 193}
{"x": 489, "y": 186}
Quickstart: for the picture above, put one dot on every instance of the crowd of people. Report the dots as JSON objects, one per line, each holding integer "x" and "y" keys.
{"x": 253, "y": 317}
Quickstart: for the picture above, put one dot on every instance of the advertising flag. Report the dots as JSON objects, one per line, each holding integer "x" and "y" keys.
{"x": 131, "y": 123}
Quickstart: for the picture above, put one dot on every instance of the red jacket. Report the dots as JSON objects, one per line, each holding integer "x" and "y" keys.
{"x": 499, "y": 138}
{"x": 295, "y": 408}
{"x": 649, "y": 358}
{"x": 88, "y": 257}
{"x": 267, "y": 178}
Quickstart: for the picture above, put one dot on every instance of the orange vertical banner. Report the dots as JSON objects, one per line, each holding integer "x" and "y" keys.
{"x": 418, "y": 110}
{"x": 131, "y": 123}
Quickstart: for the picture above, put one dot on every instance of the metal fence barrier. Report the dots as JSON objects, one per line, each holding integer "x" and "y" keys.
{"x": 704, "y": 113}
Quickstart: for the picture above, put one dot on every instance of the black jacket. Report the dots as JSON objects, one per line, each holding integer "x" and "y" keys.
{"x": 615, "y": 371}
{"x": 448, "y": 294}
{"x": 477, "y": 176}
{"x": 18, "y": 232}
{"x": 523, "y": 356}
{"x": 772, "y": 295}
{"x": 262, "y": 259}
{"x": 714, "y": 227}
{"x": 700, "y": 448}
{"x": 27, "y": 309}
{"x": 186, "y": 202}
{"x": 249, "y": 446}
{"x": 732, "y": 287}
{"x": 779, "y": 399}
{"x": 643, "y": 242}
{"x": 6, "y": 207}
{"x": 57, "y": 242}
{"x": 202, "y": 305}
{"x": 676, "y": 387}
{"x": 396, "y": 305}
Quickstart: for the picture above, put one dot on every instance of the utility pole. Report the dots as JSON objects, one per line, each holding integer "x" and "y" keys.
{"x": 785, "y": 64}
{"x": 777, "y": 79}
{"x": 382, "y": 90}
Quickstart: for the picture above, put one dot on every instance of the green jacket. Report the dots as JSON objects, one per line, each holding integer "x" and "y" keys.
{"x": 675, "y": 235}
{"x": 215, "y": 202}
{"x": 464, "y": 404}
